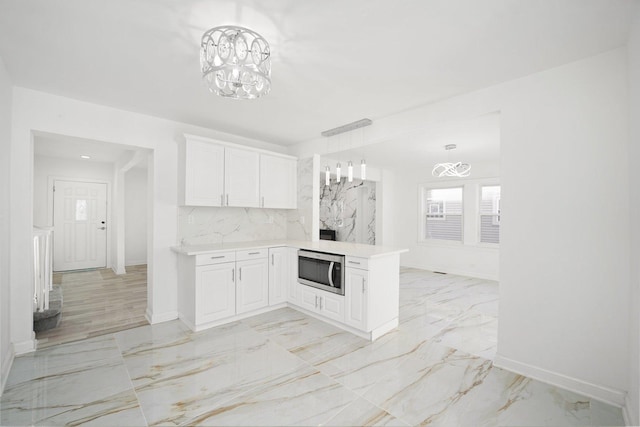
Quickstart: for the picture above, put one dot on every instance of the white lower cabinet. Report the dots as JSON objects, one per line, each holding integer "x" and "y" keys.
{"x": 278, "y": 275}
{"x": 356, "y": 296}
{"x": 220, "y": 287}
{"x": 252, "y": 287}
{"x": 215, "y": 292}
{"x": 328, "y": 304}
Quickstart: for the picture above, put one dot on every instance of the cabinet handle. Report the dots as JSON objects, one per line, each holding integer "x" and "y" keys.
{"x": 233, "y": 275}
{"x": 316, "y": 301}
{"x": 320, "y": 303}
{"x": 272, "y": 262}
{"x": 217, "y": 257}
{"x": 240, "y": 278}
{"x": 364, "y": 284}
{"x": 254, "y": 253}
{"x": 227, "y": 200}
{"x": 354, "y": 262}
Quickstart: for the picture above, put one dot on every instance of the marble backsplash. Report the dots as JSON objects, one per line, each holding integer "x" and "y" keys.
{"x": 205, "y": 225}
{"x": 350, "y": 209}
{"x": 299, "y": 220}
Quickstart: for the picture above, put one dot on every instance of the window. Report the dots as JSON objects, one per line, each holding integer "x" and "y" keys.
{"x": 442, "y": 213}
{"x": 490, "y": 214}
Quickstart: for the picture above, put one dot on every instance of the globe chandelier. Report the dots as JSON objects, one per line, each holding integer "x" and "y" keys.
{"x": 235, "y": 62}
{"x": 449, "y": 169}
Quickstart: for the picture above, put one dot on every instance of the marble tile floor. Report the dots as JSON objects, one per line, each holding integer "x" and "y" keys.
{"x": 286, "y": 368}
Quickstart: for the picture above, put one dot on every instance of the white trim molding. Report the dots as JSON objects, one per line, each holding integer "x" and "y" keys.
{"x": 25, "y": 347}
{"x": 159, "y": 318}
{"x": 598, "y": 392}
{"x": 7, "y": 362}
{"x": 629, "y": 418}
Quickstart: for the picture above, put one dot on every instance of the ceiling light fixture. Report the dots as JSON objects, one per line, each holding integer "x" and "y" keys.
{"x": 363, "y": 166}
{"x": 448, "y": 169}
{"x": 235, "y": 62}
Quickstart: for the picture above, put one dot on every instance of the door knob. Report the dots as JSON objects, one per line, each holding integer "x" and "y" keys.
{"x": 102, "y": 228}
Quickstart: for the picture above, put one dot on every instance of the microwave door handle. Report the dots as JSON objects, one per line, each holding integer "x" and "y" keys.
{"x": 330, "y": 274}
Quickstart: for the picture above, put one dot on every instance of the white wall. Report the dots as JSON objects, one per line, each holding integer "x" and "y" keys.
{"x": 564, "y": 311}
{"x": 135, "y": 216}
{"x": 633, "y": 398}
{"x": 38, "y": 111}
{"x": 6, "y": 356}
{"x": 45, "y": 167}
{"x": 469, "y": 259}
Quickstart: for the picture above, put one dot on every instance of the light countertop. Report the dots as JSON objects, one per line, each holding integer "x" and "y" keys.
{"x": 342, "y": 248}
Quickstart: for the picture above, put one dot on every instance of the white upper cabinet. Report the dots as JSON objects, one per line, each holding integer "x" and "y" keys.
{"x": 214, "y": 173}
{"x": 241, "y": 175}
{"x": 278, "y": 182}
{"x": 203, "y": 174}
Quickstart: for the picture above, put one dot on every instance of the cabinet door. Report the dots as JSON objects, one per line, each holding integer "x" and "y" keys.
{"x": 331, "y": 305}
{"x": 241, "y": 174}
{"x": 308, "y": 297}
{"x": 293, "y": 286}
{"x": 278, "y": 177}
{"x": 215, "y": 292}
{"x": 252, "y": 286}
{"x": 278, "y": 275}
{"x": 203, "y": 174}
{"x": 356, "y": 297}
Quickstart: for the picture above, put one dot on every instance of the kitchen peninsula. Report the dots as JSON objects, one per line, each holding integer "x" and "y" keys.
{"x": 221, "y": 283}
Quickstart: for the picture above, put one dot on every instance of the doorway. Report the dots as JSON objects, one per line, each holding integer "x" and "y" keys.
{"x": 79, "y": 225}
{"x": 95, "y": 197}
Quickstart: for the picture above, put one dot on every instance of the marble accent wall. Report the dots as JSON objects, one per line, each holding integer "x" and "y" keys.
{"x": 206, "y": 225}
{"x": 299, "y": 220}
{"x": 350, "y": 209}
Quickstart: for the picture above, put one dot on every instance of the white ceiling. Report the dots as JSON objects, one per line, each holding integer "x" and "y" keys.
{"x": 65, "y": 147}
{"x": 334, "y": 61}
{"x": 477, "y": 140}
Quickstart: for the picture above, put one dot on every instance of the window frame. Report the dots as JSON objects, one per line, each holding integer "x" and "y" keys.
{"x": 471, "y": 221}
{"x": 422, "y": 213}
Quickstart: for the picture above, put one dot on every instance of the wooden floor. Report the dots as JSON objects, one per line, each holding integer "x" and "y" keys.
{"x": 98, "y": 302}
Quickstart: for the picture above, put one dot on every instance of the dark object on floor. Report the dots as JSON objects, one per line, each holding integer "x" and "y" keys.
{"x": 49, "y": 319}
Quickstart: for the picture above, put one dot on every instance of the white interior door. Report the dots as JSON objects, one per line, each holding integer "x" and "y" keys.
{"x": 79, "y": 225}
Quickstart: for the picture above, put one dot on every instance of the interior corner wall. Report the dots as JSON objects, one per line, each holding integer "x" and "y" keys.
{"x": 135, "y": 217}
{"x": 564, "y": 254}
{"x": 632, "y": 405}
{"x": 6, "y": 355}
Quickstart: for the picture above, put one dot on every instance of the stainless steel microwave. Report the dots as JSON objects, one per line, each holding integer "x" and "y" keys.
{"x": 321, "y": 270}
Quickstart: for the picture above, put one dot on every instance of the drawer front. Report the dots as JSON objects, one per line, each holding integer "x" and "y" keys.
{"x": 355, "y": 262}
{"x": 215, "y": 258}
{"x": 252, "y": 254}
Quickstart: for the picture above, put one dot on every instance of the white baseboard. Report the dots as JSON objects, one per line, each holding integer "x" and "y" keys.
{"x": 24, "y": 347}
{"x": 159, "y": 318}
{"x": 457, "y": 272}
{"x": 629, "y": 418}
{"x": 598, "y": 392}
{"x": 7, "y": 362}
{"x": 135, "y": 262}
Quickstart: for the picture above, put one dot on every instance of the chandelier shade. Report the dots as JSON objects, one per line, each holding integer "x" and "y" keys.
{"x": 235, "y": 62}
{"x": 450, "y": 169}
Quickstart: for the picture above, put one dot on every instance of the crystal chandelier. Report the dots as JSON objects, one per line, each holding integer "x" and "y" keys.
{"x": 235, "y": 62}
{"x": 448, "y": 169}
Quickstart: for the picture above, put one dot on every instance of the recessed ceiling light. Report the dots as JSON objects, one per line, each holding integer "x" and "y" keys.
{"x": 85, "y": 157}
